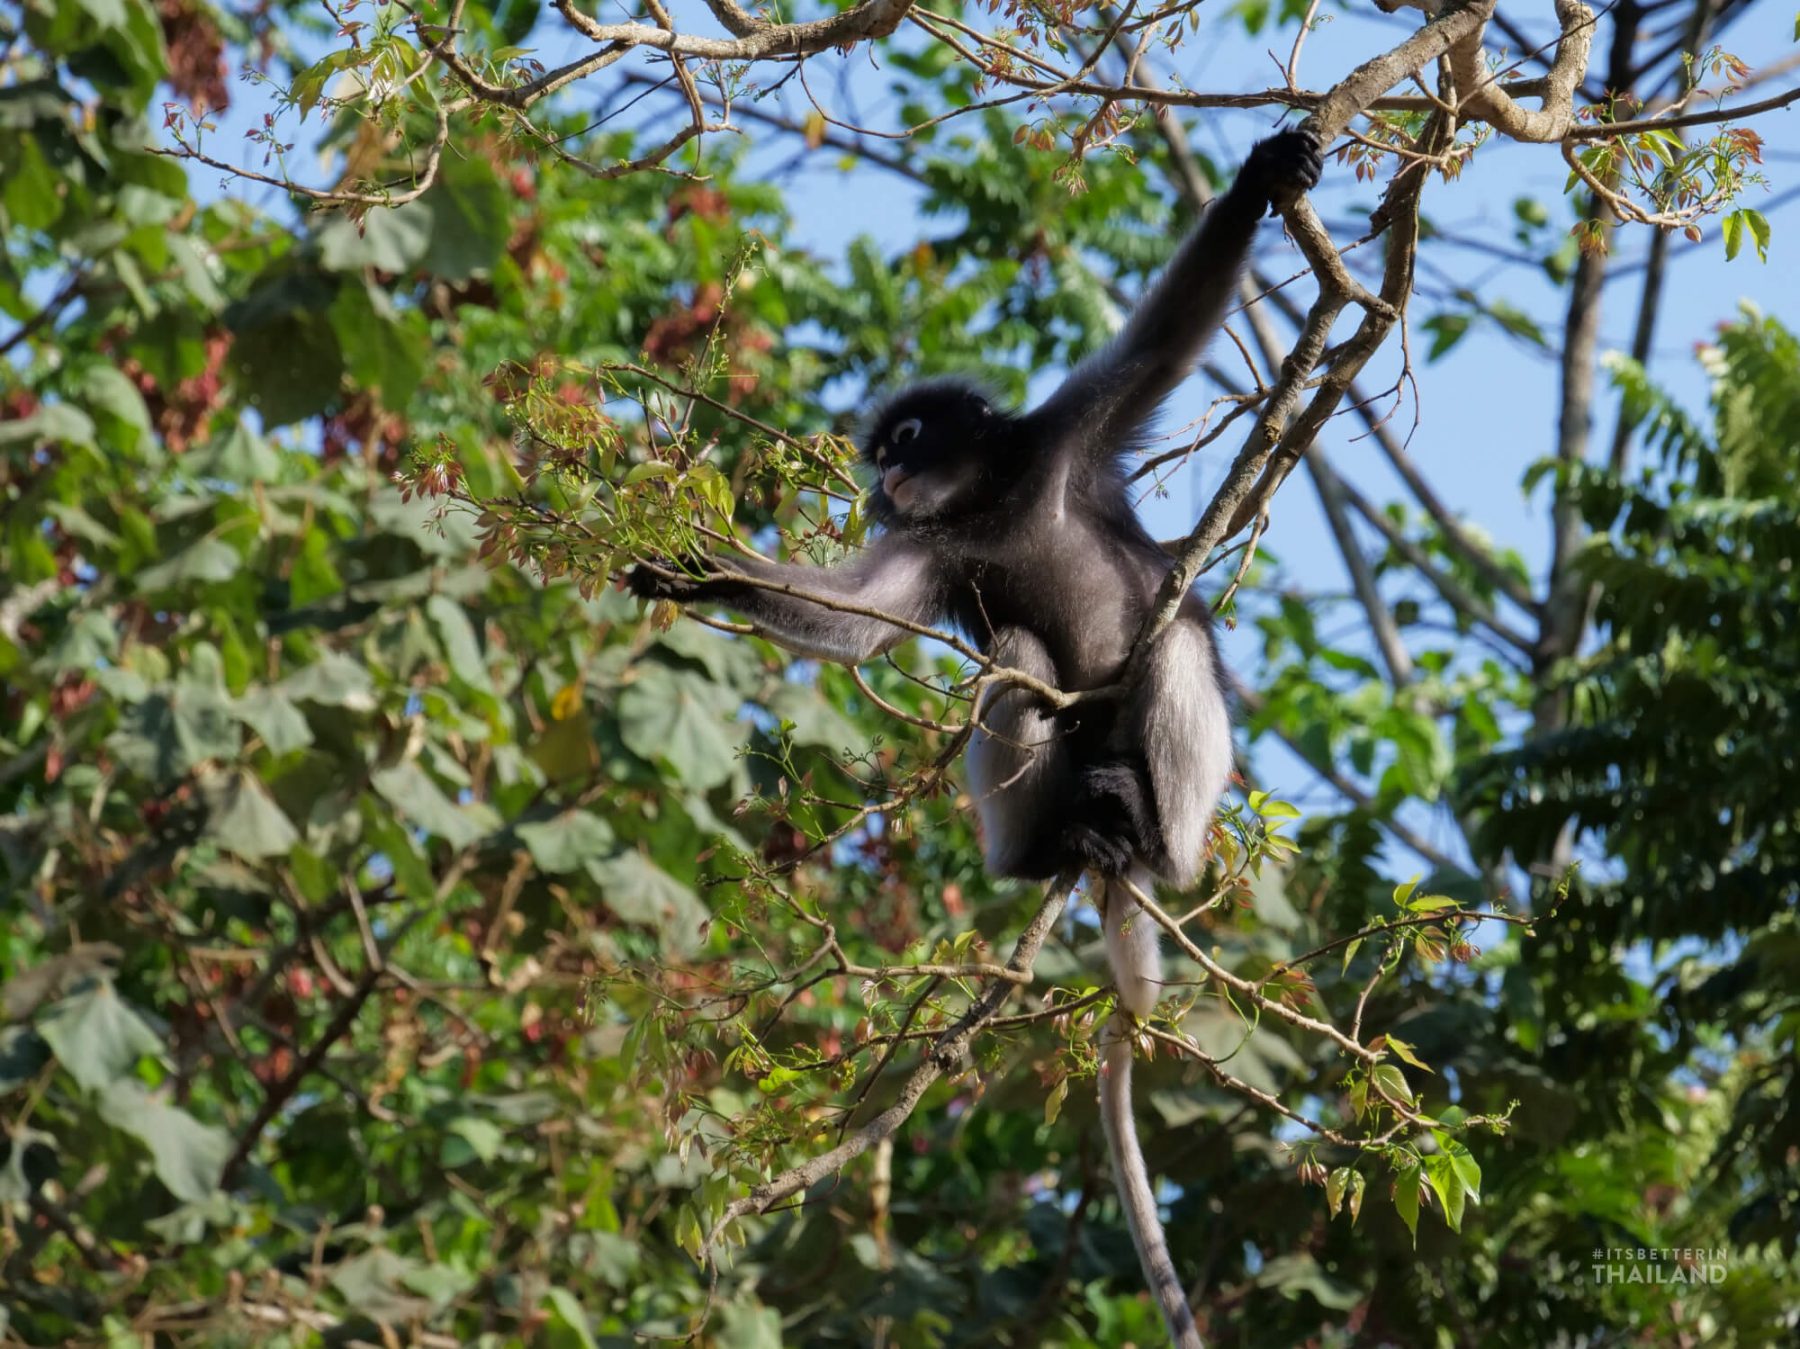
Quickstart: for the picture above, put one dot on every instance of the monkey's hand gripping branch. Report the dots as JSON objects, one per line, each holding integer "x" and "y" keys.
{"x": 1280, "y": 437}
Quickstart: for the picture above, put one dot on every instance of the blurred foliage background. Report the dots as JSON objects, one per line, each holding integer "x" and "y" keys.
{"x": 363, "y": 901}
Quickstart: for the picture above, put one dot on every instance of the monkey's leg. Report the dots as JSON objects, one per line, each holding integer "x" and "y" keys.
{"x": 1018, "y": 767}
{"x": 1180, "y": 718}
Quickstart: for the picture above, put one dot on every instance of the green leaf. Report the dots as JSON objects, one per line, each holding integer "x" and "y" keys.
{"x": 240, "y": 455}
{"x": 57, "y": 423}
{"x": 411, "y": 874}
{"x": 814, "y": 719}
{"x": 462, "y": 648}
{"x": 1448, "y": 1187}
{"x": 409, "y": 788}
{"x": 204, "y": 726}
{"x": 286, "y": 355}
{"x": 72, "y": 519}
{"x": 189, "y": 1157}
{"x": 309, "y": 84}
{"x": 469, "y": 1138}
{"x": 31, "y": 1159}
{"x": 96, "y": 1036}
{"x": 1405, "y": 1052}
{"x": 568, "y": 1310}
{"x": 334, "y": 680}
{"x": 744, "y": 1325}
{"x": 655, "y": 468}
{"x": 640, "y": 892}
{"x": 470, "y": 219}
{"x": 1758, "y": 225}
{"x": 440, "y": 1283}
{"x": 1462, "y": 1163}
{"x": 688, "y": 1233}
{"x": 375, "y": 1284}
{"x": 1517, "y": 322}
{"x": 189, "y": 1223}
{"x": 387, "y": 240}
{"x": 1733, "y": 226}
{"x": 1337, "y": 1185}
{"x": 1446, "y": 331}
{"x": 1406, "y": 1199}
{"x": 381, "y": 353}
{"x": 105, "y": 14}
{"x": 683, "y": 719}
{"x": 29, "y": 187}
{"x": 569, "y": 842}
{"x": 281, "y": 726}
{"x": 146, "y": 743}
{"x": 1392, "y": 1082}
{"x": 116, "y": 405}
{"x": 617, "y": 1259}
{"x": 732, "y": 664}
{"x": 243, "y": 818}
{"x": 1659, "y": 146}
{"x": 209, "y": 559}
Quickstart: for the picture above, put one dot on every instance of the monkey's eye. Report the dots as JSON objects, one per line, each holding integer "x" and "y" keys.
{"x": 906, "y": 431}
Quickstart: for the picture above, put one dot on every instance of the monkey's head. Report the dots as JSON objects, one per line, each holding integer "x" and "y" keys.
{"x": 933, "y": 448}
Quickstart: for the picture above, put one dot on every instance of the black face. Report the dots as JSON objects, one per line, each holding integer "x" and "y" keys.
{"x": 930, "y": 447}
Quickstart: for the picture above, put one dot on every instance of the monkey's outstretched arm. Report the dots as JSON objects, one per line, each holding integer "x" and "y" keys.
{"x": 1108, "y": 396}
{"x": 797, "y": 606}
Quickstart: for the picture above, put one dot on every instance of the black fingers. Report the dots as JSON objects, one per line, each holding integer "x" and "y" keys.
{"x": 1119, "y": 792}
{"x": 660, "y": 581}
{"x": 1102, "y": 853}
{"x": 1112, "y": 817}
{"x": 1283, "y": 167}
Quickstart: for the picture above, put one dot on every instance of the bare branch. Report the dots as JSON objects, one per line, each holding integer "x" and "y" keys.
{"x": 1481, "y": 96}
{"x": 1607, "y": 130}
{"x": 946, "y": 1052}
{"x": 1362, "y": 578}
{"x": 871, "y": 19}
{"x": 1458, "y": 596}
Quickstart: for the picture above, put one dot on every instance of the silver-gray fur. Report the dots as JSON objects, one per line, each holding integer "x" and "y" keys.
{"x": 1016, "y": 755}
{"x": 1136, "y": 1198}
{"x": 1018, "y": 529}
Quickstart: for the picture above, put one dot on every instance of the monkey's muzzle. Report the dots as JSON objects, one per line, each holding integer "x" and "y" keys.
{"x": 894, "y": 483}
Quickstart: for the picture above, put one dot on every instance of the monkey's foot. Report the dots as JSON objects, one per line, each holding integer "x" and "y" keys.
{"x": 1102, "y": 853}
{"x": 1115, "y": 797}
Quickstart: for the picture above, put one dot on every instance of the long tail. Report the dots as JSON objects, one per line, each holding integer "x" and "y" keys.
{"x": 1133, "y": 1180}
{"x": 1132, "y": 949}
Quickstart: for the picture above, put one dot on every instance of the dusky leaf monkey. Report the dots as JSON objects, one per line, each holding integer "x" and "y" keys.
{"x": 1016, "y": 527}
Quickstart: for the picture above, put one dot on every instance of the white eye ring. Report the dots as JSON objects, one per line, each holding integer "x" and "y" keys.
{"x": 907, "y": 430}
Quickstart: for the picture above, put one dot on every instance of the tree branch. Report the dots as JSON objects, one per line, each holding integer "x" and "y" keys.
{"x": 1332, "y": 499}
{"x": 946, "y": 1052}
{"x": 1481, "y": 96}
